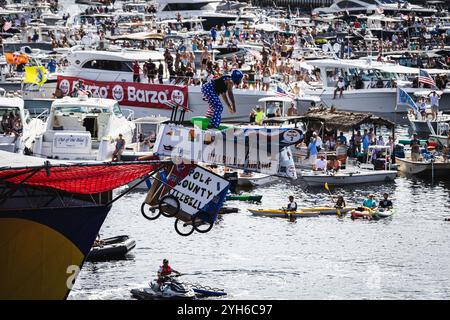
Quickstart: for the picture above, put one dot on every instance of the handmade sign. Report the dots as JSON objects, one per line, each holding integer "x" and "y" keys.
{"x": 259, "y": 150}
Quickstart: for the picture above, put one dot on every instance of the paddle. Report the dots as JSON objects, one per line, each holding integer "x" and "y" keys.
{"x": 329, "y": 191}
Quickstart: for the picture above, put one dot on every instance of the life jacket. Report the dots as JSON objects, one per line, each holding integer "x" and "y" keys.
{"x": 166, "y": 271}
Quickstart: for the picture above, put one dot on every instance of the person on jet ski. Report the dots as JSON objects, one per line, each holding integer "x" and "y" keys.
{"x": 165, "y": 271}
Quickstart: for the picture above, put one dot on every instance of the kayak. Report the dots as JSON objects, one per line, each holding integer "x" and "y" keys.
{"x": 245, "y": 197}
{"x": 327, "y": 211}
{"x": 380, "y": 214}
{"x": 355, "y": 214}
{"x": 111, "y": 248}
{"x": 278, "y": 213}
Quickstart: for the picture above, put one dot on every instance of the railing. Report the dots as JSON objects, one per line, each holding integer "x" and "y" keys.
{"x": 128, "y": 114}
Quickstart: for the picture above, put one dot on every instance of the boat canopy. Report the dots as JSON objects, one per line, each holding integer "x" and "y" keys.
{"x": 343, "y": 120}
{"x": 78, "y": 178}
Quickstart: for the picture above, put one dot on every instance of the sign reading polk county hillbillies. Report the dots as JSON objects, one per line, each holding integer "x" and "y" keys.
{"x": 261, "y": 150}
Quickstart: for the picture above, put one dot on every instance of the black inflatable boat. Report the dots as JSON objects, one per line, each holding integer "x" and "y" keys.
{"x": 111, "y": 248}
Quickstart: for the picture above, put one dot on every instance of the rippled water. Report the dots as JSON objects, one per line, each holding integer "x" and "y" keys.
{"x": 406, "y": 257}
{"x": 266, "y": 258}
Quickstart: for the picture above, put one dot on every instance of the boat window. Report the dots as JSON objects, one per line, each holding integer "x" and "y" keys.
{"x": 349, "y": 4}
{"x": 184, "y": 6}
{"x": 117, "y": 111}
{"x": 109, "y": 65}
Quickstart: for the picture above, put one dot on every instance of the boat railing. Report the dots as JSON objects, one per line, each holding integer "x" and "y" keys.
{"x": 39, "y": 113}
{"x": 128, "y": 114}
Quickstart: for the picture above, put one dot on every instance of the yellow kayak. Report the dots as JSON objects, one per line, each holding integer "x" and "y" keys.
{"x": 278, "y": 213}
{"x": 301, "y": 213}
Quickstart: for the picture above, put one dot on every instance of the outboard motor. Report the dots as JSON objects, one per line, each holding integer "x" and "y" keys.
{"x": 232, "y": 177}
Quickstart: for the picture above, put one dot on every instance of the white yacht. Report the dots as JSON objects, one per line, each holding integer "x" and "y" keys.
{"x": 21, "y": 139}
{"x": 371, "y": 95}
{"x": 186, "y": 8}
{"x": 116, "y": 66}
{"x": 374, "y": 6}
{"x": 83, "y": 128}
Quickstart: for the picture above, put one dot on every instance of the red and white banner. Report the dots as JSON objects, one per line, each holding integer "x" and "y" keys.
{"x": 130, "y": 93}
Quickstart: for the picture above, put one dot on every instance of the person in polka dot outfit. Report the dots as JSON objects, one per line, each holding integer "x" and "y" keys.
{"x": 220, "y": 87}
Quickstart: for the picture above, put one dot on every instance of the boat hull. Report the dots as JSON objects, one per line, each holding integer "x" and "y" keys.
{"x": 43, "y": 250}
{"x": 316, "y": 180}
{"x": 282, "y": 214}
{"x": 424, "y": 169}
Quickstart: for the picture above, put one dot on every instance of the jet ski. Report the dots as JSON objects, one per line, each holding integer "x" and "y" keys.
{"x": 170, "y": 289}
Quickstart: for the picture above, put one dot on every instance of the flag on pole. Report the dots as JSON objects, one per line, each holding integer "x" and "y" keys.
{"x": 36, "y": 75}
{"x": 403, "y": 99}
{"x": 283, "y": 93}
{"x": 424, "y": 77}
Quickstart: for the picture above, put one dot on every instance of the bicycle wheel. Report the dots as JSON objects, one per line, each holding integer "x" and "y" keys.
{"x": 200, "y": 222}
{"x": 152, "y": 213}
{"x": 182, "y": 228}
{"x": 169, "y": 206}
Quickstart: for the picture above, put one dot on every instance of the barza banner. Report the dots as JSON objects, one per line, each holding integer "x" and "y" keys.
{"x": 130, "y": 93}
{"x": 259, "y": 150}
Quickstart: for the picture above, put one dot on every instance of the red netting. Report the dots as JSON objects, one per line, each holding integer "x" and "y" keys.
{"x": 80, "y": 179}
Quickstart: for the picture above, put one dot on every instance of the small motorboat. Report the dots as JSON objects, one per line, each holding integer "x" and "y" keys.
{"x": 244, "y": 197}
{"x": 280, "y": 213}
{"x": 111, "y": 248}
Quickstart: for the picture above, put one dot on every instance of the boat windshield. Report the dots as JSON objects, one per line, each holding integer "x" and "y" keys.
{"x": 66, "y": 110}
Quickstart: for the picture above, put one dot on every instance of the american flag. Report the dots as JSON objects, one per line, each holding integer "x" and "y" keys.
{"x": 425, "y": 78}
{"x": 282, "y": 93}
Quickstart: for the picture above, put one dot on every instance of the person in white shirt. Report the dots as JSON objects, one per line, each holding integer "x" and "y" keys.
{"x": 434, "y": 102}
{"x": 321, "y": 164}
{"x": 292, "y": 205}
{"x": 319, "y": 142}
{"x": 340, "y": 85}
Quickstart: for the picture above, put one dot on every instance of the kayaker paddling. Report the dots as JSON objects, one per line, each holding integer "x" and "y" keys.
{"x": 386, "y": 204}
{"x": 292, "y": 205}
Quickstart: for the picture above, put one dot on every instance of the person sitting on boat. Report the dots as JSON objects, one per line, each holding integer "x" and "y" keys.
{"x": 385, "y": 204}
{"x": 222, "y": 87}
{"x": 6, "y": 129}
{"x": 340, "y": 85}
{"x": 340, "y": 203}
{"x": 321, "y": 164}
{"x": 415, "y": 148}
{"x": 165, "y": 271}
{"x": 292, "y": 111}
{"x": 333, "y": 165}
{"x": 292, "y": 205}
{"x": 120, "y": 147}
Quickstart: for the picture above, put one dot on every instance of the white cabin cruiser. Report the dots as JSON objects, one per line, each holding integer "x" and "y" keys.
{"x": 374, "y": 92}
{"x": 83, "y": 128}
{"x": 374, "y": 6}
{"x": 116, "y": 66}
{"x": 17, "y": 135}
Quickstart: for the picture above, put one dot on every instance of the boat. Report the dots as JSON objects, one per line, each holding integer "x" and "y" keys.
{"x": 51, "y": 212}
{"x": 83, "y": 128}
{"x": 433, "y": 168}
{"x": 103, "y": 67}
{"x": 244, "y": 197}
{"x": 347, "y": 177}
{"x": 369, "y": 214}
{"x": 374, "y": 6}
{"x": 367, "y": 98}
{"x": 20, "y": 142}
{"x": 111, "y": 248}
{"x": 280, "y": 213}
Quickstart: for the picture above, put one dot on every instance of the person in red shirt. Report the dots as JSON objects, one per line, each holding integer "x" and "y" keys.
{"x": 165, "y": 270}
{"x": 136, "y": 72}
